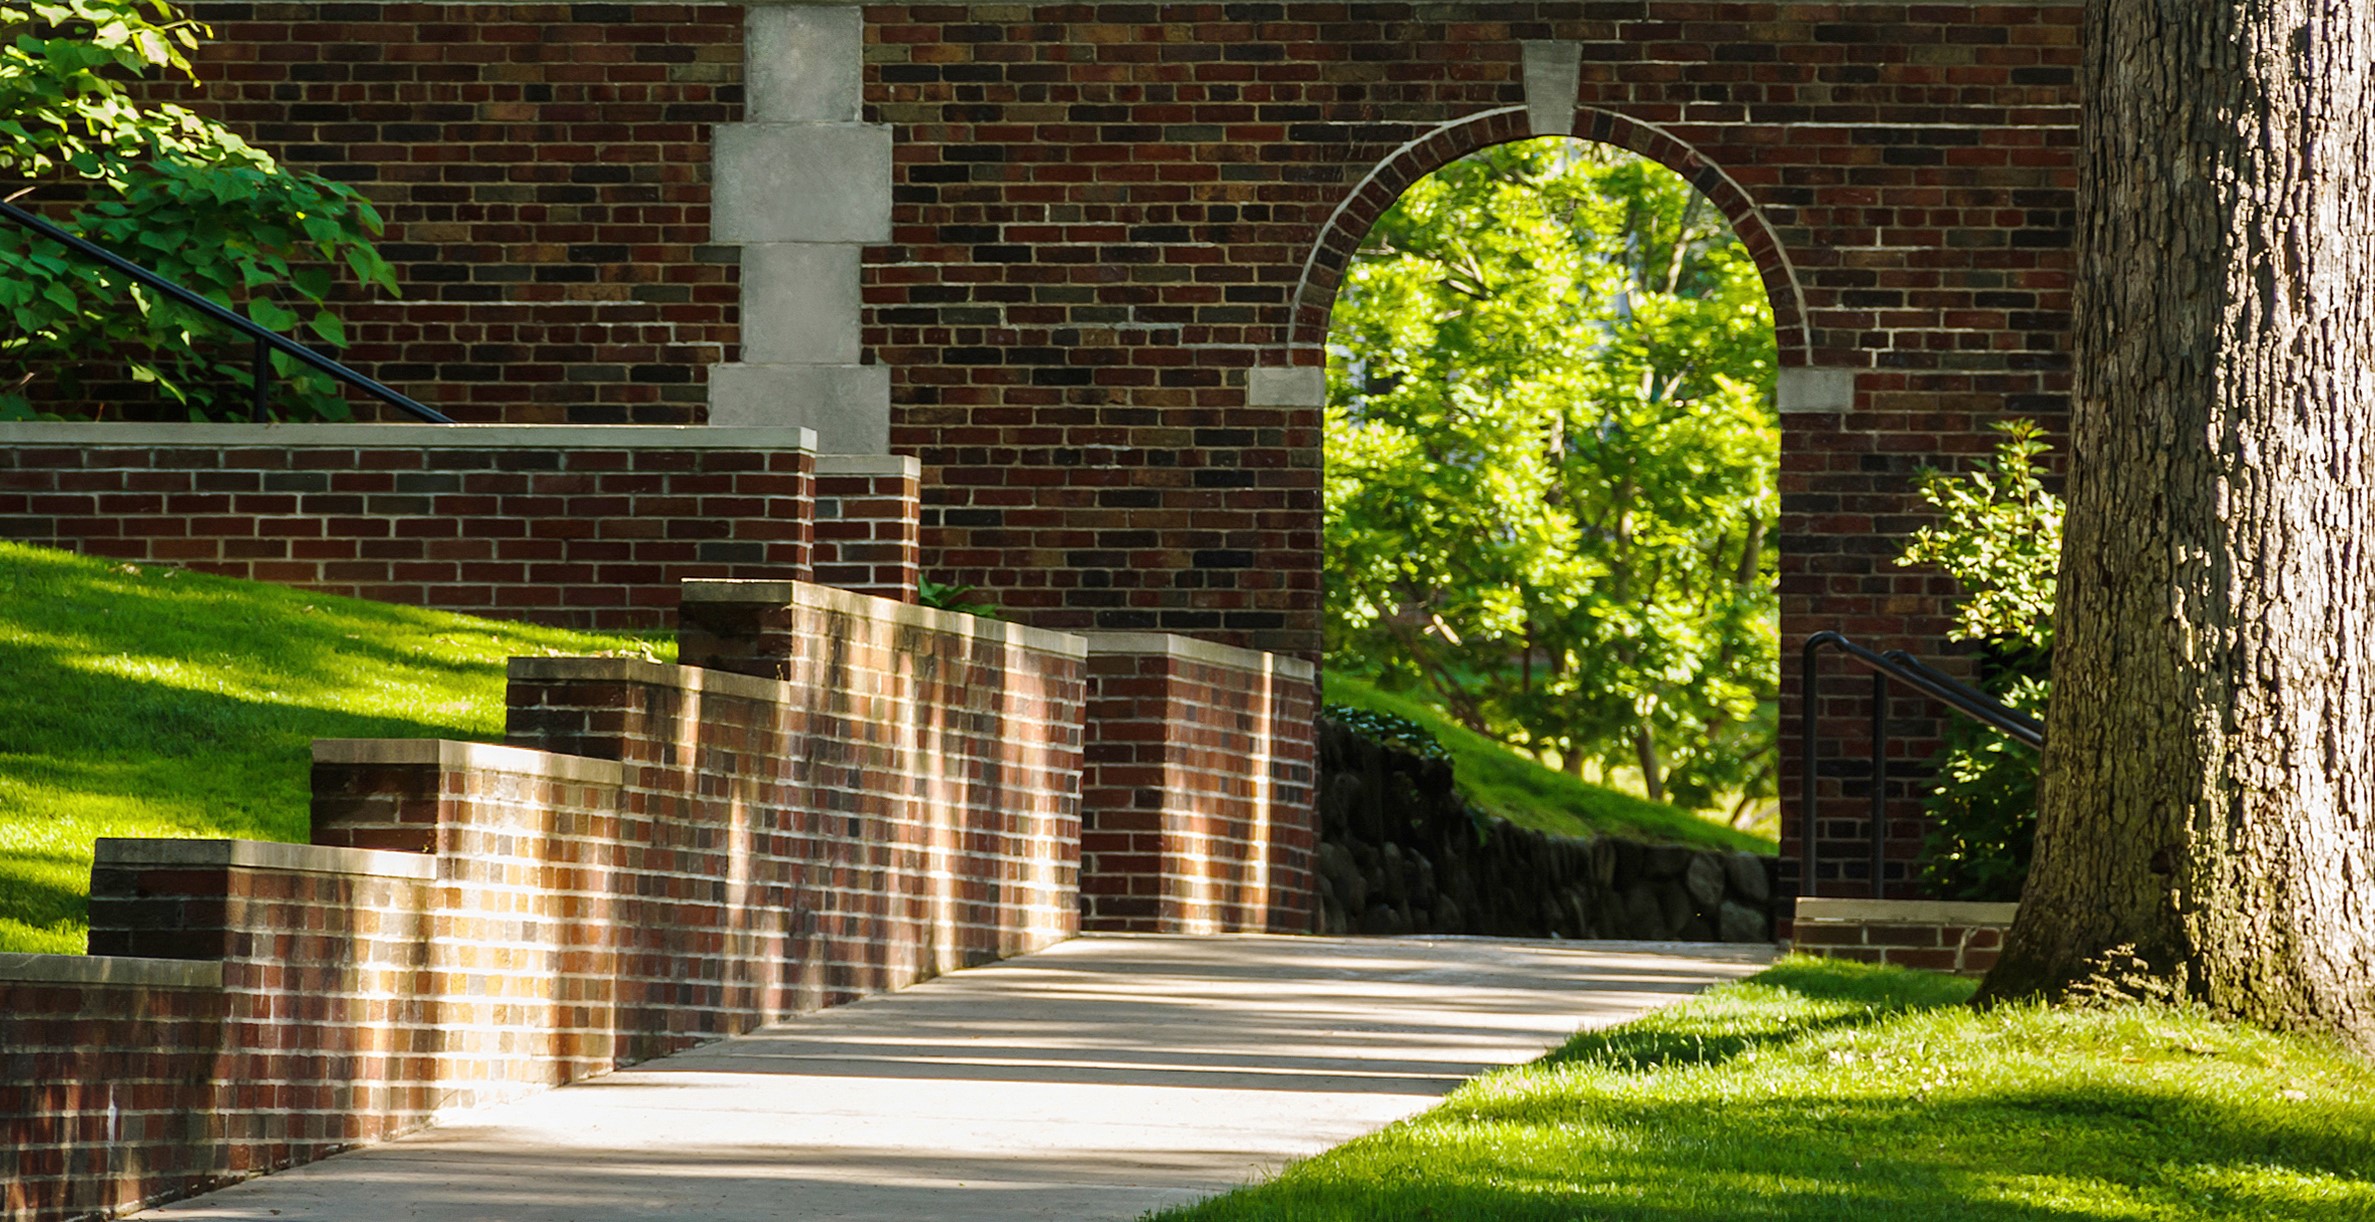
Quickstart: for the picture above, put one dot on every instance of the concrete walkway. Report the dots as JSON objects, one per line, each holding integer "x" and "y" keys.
{"x": 1097, "y": 1080}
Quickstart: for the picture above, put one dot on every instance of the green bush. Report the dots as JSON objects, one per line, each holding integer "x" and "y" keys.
{"x": 1390, "y": 730}
{"x": 1999, "y": 536}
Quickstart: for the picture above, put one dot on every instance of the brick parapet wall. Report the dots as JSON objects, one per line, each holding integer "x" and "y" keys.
{"x": 586, "y": 527}
{"x": 1944, "y": 936}
{"x": 868, "y": 535}
{"x": 1196, "y": 802}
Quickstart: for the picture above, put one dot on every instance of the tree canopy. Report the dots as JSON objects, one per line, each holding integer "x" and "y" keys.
{"x": 1551, "y": 456}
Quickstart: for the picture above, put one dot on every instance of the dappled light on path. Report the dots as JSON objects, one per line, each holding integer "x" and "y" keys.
{"x": 1098, "y": 1079}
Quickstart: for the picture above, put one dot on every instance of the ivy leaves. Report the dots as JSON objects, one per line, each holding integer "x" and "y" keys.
{"x": 174, "y": 192}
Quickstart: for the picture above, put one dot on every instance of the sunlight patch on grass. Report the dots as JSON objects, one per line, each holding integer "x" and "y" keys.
{"x": 144, "y": 701}
{"x": 1822, "y": 1090}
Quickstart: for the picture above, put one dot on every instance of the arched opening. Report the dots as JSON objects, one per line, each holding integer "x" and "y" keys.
{"x": 1551, "y": 493}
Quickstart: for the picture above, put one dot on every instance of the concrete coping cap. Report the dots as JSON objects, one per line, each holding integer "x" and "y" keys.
{"x": 717, "y": 592}
{"x": 1905, "y": 912}
{"x": 409, "y": 436}
{"x": 869, "y": 464}
{"x": 452, "y": 754}
{"x": 1195, "y": 650}
{"x": 120, "y": 970}
{"x": 262, "y": 855}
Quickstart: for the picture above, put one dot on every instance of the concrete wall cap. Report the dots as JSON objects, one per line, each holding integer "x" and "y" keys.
{"x": 1191, "y": 648}
{"x": 262, "y": 855}
{"x": 409, "y": 436}
{"x": 867, "y": 606}
{"x": 1827, "y": 910}
{"x": 651, "y": 674}
{"x": 870, "y": 464}
{"x": 446, "y": 753}
{"x": 117, "y": 970}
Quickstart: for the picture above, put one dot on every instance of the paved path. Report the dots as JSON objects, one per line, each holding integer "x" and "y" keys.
{"x": 1096, "y": 1080}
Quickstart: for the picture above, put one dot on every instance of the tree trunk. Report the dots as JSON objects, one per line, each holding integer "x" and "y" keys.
{"x": 2209, "y": 781}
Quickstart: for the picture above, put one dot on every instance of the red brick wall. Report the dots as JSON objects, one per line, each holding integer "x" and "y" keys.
{"x": 727, "y": 850}
{"x": 1196, "y": 802}
{"x": 866, "y": 524}
{"x": 588, "y": 528}
{"x": 544, "y": 173}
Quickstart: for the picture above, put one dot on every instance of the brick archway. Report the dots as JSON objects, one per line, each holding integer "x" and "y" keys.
{"x": 1331, "y": 256}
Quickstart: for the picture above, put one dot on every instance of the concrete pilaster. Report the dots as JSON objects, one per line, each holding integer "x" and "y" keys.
{"x": 802, "y": 186}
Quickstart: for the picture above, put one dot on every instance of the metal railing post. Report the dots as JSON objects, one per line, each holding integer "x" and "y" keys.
{"x": 1879, "y": 828}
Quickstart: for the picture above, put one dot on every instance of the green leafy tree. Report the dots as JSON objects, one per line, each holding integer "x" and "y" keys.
{"x": 1551, "y": 454}
{"x": 173, "y": 191}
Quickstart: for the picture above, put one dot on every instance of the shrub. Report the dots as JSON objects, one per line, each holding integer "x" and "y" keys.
{"x": 1389, "y": 730}
{"x": 1999, "y": 536}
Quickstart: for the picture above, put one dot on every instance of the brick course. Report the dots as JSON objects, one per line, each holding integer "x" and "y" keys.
{"x": 587, "y": 528}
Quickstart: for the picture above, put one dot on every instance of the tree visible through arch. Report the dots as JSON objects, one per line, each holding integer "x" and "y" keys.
{"x": 1551, "y": 453}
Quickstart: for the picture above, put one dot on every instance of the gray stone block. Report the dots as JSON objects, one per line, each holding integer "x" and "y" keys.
{"x": 849, "y": 406}
{"x": 1703, "y": 879}
{"x": 1286, "y": 386}
{"x": 800, "y": 304}
{"x": 1746, "y": 873}
{"x": 801, "y": 182}
{"x": 1741, "y": 923}
{"x": 1814, "y": 390}
{"x": 803, "y": 63}
{"x": 1553, "y": 78}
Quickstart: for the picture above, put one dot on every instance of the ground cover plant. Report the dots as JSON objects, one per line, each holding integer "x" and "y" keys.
{"x": 148, "y": 701}
{"x": 1504, "y": 783}
{"x": 1824, "y": 1090}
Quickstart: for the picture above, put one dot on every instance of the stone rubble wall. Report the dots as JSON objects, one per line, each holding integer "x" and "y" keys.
{"x": 1401, "y": 853}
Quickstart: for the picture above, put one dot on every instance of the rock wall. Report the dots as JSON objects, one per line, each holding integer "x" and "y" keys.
{"x": 1400, "y": 852}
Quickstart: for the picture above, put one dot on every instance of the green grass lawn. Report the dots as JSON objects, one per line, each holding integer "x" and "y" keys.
{"x": 1823, "y": 1090}
{"x": 1503, "y": 783}
{"x": 155, "y": 702}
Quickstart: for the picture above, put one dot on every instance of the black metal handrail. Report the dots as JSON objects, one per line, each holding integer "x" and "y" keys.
{"x": 1903, "y": 668}
{"x": 266, "y": 342}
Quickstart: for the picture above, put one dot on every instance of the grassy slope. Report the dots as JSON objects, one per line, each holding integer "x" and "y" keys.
{"x": 155, "y": 702}
{"x": 1822, "y": 1090}
{"x": 1505, "y": 783}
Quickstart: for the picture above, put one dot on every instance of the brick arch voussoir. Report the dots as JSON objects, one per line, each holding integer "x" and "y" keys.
{"x": 1332, "y": 256}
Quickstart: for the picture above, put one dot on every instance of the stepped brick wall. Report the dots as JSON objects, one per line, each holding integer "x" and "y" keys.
{"x": 1198, "y": 786}
{"x": 581, "y": 527}
{"x": 857, "y": 795}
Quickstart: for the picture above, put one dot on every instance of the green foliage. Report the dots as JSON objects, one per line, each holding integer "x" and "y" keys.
{"x": 1823, "y": 1091}
{"x": 1999, "y": 536}
{"x": 1551, "y": 454}
{"x": 143, "y": 701}
{"x": 964, "y": 599}
{"x": 1387, "y": 730}
{"x": 1504, "y": 784}
{"x": 174, "y": 192}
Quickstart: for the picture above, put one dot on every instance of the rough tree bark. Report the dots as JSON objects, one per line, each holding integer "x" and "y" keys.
{"x": 2209, "y": 779}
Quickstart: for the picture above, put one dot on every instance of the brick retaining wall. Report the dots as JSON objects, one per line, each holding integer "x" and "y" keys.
{"x": 866, "y": 524}
{"x": 1196, "y": 804}
{"x": 853, "y": 794}
{"x": 583, "y": 527}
